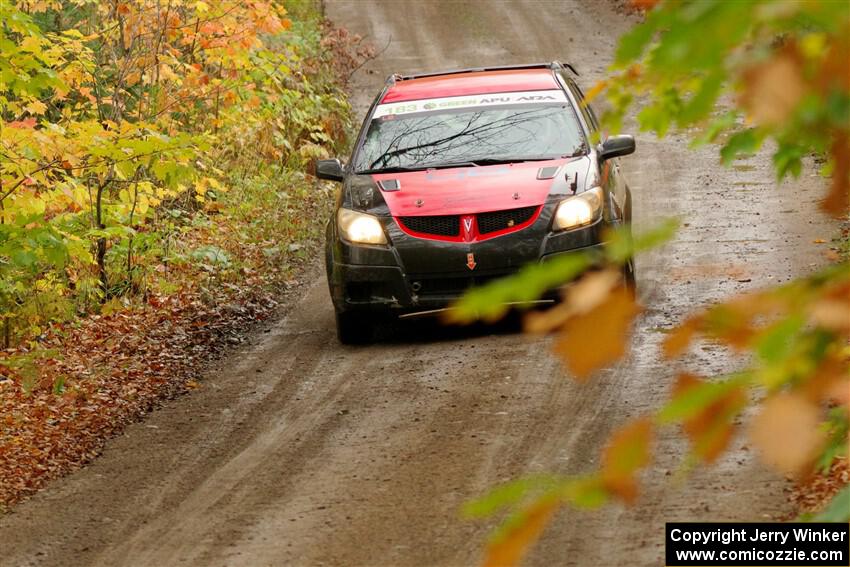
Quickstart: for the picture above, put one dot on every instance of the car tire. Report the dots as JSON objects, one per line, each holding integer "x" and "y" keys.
{"x": 353, "y": 328}
{"x": 629, "y": 277}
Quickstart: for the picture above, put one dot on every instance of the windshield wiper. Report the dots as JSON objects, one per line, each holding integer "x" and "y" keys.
{"x": 401, "y": 169}
{"x": 393, "y": 169}
{"x": 496, "y": 160}
{"x": 467, "y": 163}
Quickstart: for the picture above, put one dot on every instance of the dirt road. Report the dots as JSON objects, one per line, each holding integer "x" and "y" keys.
{"x": 297, "y": 451}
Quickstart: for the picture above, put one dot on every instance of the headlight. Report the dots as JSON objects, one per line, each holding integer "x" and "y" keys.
{"x": 579, "y": 210}
{"x": 360, "y": 227}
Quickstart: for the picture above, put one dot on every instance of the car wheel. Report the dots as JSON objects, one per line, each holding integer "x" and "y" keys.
{"x": 353, "y": 328}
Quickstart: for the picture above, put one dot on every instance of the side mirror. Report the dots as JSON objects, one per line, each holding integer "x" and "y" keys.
{"x": 330, "y": 169}
{"x": 616, "y": 146}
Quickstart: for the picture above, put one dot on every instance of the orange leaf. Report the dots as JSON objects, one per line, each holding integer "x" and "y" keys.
{"x": 773, "y": 89}
{"x": 677, "y": 341}
{"x": 837, "y": 201}
{"x": 593, "y": 92}
{"x": 610, "y": 322}
{"x": 627, "y": 452}
{"x": 710, "y": 429}
{"x": 589, "y": 292}
{"x": 513, "y": 545}
{"x": 26, "y": 123}
{"x": 831, "y": 380}
{"x": 787, "y": 434}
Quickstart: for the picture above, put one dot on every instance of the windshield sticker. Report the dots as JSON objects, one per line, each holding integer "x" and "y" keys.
{"x": 480, "y": 100}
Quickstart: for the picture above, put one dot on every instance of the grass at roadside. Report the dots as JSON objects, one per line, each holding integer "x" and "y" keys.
{"x": 92, "y": 376}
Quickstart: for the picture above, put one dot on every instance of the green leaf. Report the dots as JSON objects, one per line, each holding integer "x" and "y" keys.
{"x": 492, "y": 301}
{"x": 655, "y": 118}
{"x": 585, "y": 492}
{"x": 772, "y": 344}
{"x": 621, "y": 245}
{"x": 838, "y": 510}
{"x": 723, "y": 122}
{"x": 745, "y": 142}
{"x": 633, "y": 43}
{"x": 697, "y": 398}
{"x": 788, "y": 159}
{"x": 700, "y": 105}
{"x": 508, "y": 494}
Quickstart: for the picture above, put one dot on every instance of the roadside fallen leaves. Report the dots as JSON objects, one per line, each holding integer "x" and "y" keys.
{"x": 813, "y": 493}
{"x": 113, "y": 369}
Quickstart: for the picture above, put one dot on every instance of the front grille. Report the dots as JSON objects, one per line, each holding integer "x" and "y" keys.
{"x": 443, "y": 225}
{"x": 451, "y": 286}
{"x": 501, "y": 220}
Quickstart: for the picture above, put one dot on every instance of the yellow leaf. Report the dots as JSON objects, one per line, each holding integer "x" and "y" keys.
{"x": 786, "y": 432}
{"x": 31, "y": 44}
{"x": 36, "y": 107}
{"x": 509, "y": 549}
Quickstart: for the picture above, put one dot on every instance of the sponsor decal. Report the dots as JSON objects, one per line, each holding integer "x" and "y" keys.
{"x": 469, "y": 101}
{"x": 463, "y": 173}
{"x": 470, "y": 261}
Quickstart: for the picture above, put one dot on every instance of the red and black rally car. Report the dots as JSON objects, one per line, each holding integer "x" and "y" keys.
{"x": 461, "y": 177}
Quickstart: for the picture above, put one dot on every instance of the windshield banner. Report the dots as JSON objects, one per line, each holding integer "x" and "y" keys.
{"x": 482, "y": 100}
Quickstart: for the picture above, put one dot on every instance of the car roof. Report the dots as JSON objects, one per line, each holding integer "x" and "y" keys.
{"x": 468, "y": 83}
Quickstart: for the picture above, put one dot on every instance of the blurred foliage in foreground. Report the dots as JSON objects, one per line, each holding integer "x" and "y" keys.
{"x": 781, "y": 70}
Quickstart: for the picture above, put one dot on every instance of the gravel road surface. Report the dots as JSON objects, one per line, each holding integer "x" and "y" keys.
{"x": 297, "y": 451}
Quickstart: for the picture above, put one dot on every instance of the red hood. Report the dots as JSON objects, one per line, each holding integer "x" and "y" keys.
{"x": 471, "y": 190}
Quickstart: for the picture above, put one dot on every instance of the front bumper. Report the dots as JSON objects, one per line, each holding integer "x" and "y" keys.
{"x": 413, "y": 274}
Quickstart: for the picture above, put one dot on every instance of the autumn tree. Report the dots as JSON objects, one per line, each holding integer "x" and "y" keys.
{"x": 123, "y": 119}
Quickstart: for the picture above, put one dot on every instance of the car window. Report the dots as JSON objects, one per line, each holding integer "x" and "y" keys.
{"x": 586, "y": 110}
{"x": 420, "y": 139}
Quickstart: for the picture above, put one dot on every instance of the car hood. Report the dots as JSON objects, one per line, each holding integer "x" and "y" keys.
{"x": 471, "y": 190}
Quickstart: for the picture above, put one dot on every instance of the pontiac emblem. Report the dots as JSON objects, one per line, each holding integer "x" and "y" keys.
{"x": 515, "y": 196}
{"x": 419, "y": 202}
{"x": 470, "y": 261}
{"x": 467, "y": 224}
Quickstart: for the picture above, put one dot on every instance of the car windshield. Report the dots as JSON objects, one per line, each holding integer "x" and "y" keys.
{"x": 432, "y": 139}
